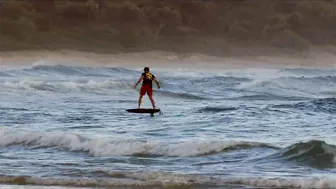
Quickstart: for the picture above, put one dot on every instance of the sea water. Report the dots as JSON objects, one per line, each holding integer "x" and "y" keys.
{"x": 66, "y": 126}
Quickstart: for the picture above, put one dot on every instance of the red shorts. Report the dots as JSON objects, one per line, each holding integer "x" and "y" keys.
{"x": 146, "y": 89}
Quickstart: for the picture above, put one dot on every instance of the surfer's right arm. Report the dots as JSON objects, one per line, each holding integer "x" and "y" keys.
{"x": 140, "y": 79}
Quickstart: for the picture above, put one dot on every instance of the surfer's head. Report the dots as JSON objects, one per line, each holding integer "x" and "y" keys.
{"x": 146, "y": 69}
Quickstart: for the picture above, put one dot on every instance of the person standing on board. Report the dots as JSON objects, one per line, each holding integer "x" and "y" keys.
{"x": 146, "y": 87}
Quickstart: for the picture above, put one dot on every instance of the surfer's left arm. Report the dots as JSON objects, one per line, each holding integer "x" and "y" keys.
{"x": 140, "y": 79}
{"x": 157, "y": 82}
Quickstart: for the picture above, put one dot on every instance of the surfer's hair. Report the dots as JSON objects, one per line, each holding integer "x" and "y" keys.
{"x": 146, "y": 69}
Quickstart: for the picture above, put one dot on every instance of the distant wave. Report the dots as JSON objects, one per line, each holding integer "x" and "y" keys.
{"x": 308, "y": 71}
{"x": 268, "y": 97}
{"x": 318, "y": 83}
{"x": 62, "y": 86}
{"x": 179, "y": 95}
{"x": 5, "y": 74}
{"x": 93, "y": 79}
{"x": 70, "y": 71}
{"x": 13, "y": 109}
{"x": 170, "y": 180}
{"x": 297, "y": 86}
{"x": 318, "y": 105}
{"x": 214, "y": 109}
{"x": 129, "y": 147}
{"x": 327, "y": 78}
{"x": 88, "y": 86}
{"x": 221, "y": 80}
{"x": 310, "y": 81}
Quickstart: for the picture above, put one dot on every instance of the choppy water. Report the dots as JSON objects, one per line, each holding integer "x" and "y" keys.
{"x": 248, "y": 128}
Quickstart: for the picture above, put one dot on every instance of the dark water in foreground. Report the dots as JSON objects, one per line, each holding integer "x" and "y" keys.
{"x": 67, "y": 126}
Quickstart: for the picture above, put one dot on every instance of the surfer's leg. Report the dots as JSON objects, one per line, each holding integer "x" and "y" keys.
{"x": 150, "y": 95}
{"x": 152, "y": 100}
{"x": 142, "y": 93}
{"x": 140, "y": 100}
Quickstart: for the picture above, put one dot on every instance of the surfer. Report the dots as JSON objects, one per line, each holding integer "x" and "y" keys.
{"x": 146, "y": 87}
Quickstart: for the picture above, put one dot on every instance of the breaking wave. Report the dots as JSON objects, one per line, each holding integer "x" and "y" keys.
{"x": 221, "y": 80}
{"x": 82, "y": 71}
{"x": 313, "y": 153}
{"x": 309, "y": 71}
{"x": 66, "y": 86}
{"x": 100, "y": 146}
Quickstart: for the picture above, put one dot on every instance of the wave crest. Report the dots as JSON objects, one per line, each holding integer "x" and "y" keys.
{"x": 130, "y": 147}
{"x": 61, "y": 86}
{"x": 314, "y": 153}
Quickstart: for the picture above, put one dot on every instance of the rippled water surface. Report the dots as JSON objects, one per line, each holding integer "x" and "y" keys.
{"x": 244, "y": 128}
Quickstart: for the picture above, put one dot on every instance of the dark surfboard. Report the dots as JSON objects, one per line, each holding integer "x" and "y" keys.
{"x": 144, "y": 111}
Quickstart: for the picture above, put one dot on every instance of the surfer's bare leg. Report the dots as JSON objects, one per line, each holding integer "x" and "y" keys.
{"x": 152, "y": 100}
{"x": 140, "y": 100}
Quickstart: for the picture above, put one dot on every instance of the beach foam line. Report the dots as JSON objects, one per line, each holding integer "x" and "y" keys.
{"x": 7, "y": 186}
{"x": 173, "y": 180}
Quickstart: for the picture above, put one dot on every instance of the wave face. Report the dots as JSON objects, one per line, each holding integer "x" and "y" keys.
{"x": 313, "y": 153}
{"x": 327, "y": 105}
{"x": 64, "y": 125}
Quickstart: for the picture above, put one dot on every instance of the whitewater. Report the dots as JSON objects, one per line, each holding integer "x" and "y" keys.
{"x": 65, "y": 126}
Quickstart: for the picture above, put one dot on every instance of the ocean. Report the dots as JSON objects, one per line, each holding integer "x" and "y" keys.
{"x": 65, "y": 126}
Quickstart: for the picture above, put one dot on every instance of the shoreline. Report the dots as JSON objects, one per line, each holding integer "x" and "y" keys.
{"x": 161, "y": 59}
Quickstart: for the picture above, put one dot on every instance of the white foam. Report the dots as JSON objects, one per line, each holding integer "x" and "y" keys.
{"x": 100, "y": 146}
{"x": 32, "y": 84}
{"x": 41, "y": 62}
{"x": 147, "y": 179}
{"x": 173, "y": 178}
{"x": 23, "y": 84}
{"x": 36, "y": 187}
{"x": 84, "y": 182}
{"x": 318, "y": 183}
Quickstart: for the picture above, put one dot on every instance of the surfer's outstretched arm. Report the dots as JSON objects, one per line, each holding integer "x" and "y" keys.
{"x": 157, "y": 82}
{"x": 140, "y": 79}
